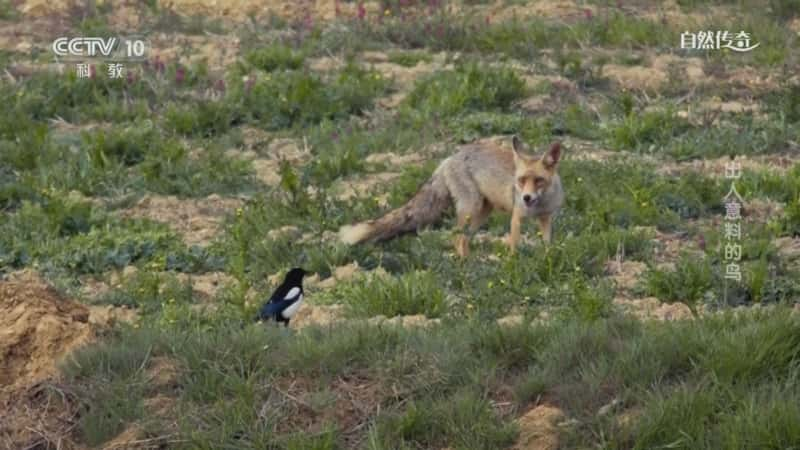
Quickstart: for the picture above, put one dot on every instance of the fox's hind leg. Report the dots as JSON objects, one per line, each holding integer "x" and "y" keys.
{"x": 471, "y": 207}
{"x": 471, "y": 214}
{"x": 472, "y": 219}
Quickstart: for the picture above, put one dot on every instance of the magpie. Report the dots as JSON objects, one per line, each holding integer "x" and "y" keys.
{"x": 285, "y": 301}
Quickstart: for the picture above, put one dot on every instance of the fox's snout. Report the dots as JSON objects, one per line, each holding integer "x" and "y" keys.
{"x": 530, "y": 199}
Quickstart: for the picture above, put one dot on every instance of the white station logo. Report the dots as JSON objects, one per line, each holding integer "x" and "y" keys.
{"x": 84, "y": 46}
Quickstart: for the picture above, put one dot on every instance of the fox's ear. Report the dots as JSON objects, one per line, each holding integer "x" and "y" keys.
{"x": 519, "y": 147}
{"x": 552, "y": 156}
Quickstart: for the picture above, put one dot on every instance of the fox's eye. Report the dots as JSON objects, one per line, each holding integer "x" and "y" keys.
{"x": 521, "y": 181}
{"x": 538, "y": 180}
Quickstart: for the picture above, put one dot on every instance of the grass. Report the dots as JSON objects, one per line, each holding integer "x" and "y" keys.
{"x": 413, "y": 293}
{"x": 76, "y": 153}
{"x": 467, "y": 88}
{"x": 702, "y": 377}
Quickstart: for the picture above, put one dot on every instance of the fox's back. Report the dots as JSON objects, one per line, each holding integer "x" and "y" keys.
{"x": 490, "y": 165}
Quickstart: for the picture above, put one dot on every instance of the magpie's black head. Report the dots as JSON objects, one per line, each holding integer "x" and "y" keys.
{"x": 295, "y": 276}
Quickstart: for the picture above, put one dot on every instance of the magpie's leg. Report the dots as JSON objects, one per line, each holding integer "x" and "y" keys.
{"x": 286, "y": 323}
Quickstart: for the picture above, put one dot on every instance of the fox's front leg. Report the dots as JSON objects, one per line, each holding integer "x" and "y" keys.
{"x": 516, "y": 226}
{"x": 545, "y": 226}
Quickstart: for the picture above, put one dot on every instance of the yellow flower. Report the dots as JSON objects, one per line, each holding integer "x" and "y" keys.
{"x": 387, "y": 12}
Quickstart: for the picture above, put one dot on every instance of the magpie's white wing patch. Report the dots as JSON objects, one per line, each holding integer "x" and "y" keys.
{"x": 289, "y": 311}
{"x": 292, "y": 294}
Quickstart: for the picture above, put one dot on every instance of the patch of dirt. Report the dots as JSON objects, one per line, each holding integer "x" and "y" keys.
{"x": 38, "y": 8}
{"x": 41, "y": 416}
{"x": 670, "y": 12}
{"x": 716, "y": 167}
{"x": 538, "y": 428}
{"x": 163, "y": 372}
{"x": 669, "y": 246}
{"x": 553, "y": 9}
{"x": 651, "y": 308}
{"x": 539, "y": 104}
{"x": 661, "y": 69}
{"x": 788, "y": 247}
{"x": 749, "y": 78}
{"x": 218, "y": 51}
{"x": 124, "y": 16}
{"x": 92, "y": 288}
{"x": 127, "y": 439}
{"x": 341, "y": 273}
{"x": 347, "y": 401}
{"x": 324, "y": 315}
{"x": 402, "y": 76}
{"x": 691, "y": 68}
{"x": 326, "y": 63}
{"x": 197, "y": 220}
{"x": 237, "y": 10}
{"x": 306, "y": 11}
{"x": 107, "y": 315}
{"x": 38, "y": 327}
{"x": 581, "y": 150}
{"x": 761, "y": 210}
{"x": 731, "y": 106}
{"x": 321, "y": 315}
{"x": 635, "y": 77}
{"x": 557, "y": 82}
{"x": 393, "y": 159}
{"x": 513, "y": 320}
{"x": 415, "y": 320}
{"x": 286, "y": 232}
{"x": 206, "y": 285}
{"x": 625, "y": 274}
{"x": 289, "y": 150}
{"x": 363, "y": 185}
{"x": 627, "y": 418}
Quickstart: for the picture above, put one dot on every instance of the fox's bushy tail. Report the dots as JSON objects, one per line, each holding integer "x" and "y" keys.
{"x": 425, "y": 208}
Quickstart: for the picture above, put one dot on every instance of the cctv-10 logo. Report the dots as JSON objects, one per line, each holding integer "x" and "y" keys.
{"x": 112, "y": 48}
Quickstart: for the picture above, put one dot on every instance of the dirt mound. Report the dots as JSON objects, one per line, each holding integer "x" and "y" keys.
{"x": 538, "y": 428}
{"x": 38, "y": 327}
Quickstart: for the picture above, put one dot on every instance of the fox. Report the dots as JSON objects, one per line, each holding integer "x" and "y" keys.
{"x": 477, "y": 179}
